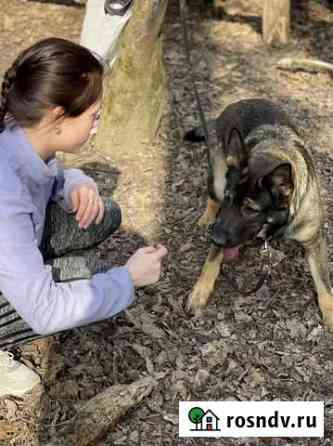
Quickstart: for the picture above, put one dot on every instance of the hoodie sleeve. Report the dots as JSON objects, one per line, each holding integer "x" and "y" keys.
{"x": 65, "y": 181}
{"x": 27, "y": 283}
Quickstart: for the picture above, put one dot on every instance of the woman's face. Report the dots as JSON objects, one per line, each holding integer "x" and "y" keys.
{"x": 75, "y": 132}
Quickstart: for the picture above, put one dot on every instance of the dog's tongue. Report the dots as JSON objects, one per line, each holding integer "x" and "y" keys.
{"x": 231, "y": 254}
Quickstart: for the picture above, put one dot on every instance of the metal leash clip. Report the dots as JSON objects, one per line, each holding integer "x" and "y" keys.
{"x": 264, "y": 249}
{"x": 266, "y": 253}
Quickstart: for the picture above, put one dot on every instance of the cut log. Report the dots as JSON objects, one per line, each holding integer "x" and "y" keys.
{"x": 101, "y": 413}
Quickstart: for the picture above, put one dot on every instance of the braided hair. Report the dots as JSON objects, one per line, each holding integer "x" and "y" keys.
{"x": 5, "y": 88}
{"x": 52, "y": 72}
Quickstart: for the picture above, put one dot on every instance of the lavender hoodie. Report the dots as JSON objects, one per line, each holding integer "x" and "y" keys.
{"x": 26, "y": 186}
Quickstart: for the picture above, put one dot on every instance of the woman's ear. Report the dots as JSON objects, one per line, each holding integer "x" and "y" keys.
{"x": 56, "y": 112}
{"x": 54, "y": 117}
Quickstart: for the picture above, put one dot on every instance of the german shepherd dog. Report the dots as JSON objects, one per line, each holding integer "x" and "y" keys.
{"x": 261, "y": 183}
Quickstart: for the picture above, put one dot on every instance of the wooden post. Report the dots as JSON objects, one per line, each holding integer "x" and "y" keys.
{"x": 135, "y": 92}
{"x": 276, "y": 22}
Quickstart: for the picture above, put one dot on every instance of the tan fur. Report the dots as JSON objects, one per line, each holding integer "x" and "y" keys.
{"x": 210, "y": 213}
{"x": 220, "y": 168}
{"x": 205, "y": 284}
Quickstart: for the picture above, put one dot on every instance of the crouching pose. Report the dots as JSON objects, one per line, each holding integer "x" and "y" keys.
{"x": 51, "y": 218}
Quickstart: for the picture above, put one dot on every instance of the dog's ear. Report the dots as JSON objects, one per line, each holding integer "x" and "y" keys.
{"x": 235, "y": 149}
{"x": 281, "y": 178}
{"x": 280, "y": 183}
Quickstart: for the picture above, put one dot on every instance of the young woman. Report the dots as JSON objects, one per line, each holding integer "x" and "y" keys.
{"x": 50, "y": 216}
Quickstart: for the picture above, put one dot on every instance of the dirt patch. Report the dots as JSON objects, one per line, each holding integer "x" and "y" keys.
{"x": 22, "y": 23}
{"x": 270, "y": 345}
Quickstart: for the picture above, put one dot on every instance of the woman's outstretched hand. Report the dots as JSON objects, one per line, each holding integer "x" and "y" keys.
{"x": 144, "y": 265}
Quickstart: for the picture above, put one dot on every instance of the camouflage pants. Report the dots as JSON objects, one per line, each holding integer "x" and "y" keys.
{"x": 69, "y": 251}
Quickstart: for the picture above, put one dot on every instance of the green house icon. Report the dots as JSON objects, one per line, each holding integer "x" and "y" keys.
{"x": 204, "y": 421}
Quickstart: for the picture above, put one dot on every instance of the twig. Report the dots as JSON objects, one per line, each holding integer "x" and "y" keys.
{"x": 311, "y": 65}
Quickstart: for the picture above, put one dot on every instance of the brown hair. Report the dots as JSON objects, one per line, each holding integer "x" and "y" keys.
{"x": 52, "y": 72}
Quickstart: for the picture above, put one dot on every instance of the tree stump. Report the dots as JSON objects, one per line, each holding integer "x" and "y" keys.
{"x": 276, "y": 22}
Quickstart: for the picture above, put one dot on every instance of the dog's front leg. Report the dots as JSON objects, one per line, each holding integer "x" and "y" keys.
{"x": 205, "y": 284}
{"x": 316, "y": 255}
{"x": 216, "y": 182}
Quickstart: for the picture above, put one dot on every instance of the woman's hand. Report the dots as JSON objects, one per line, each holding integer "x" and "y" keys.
{"x": 87, "y": 204}
{"x": 144, "y": 265}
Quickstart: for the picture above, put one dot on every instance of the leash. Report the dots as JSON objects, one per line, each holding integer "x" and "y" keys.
{"x": 208, "y": 137}
{"x": 211, "y": 143}
{"x": 265, "y": 272}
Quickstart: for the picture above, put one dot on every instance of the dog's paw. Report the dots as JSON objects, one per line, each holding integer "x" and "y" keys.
{"x": 328, "y": 320}
{"x": 198, "y": 299}
{"x": 326, "y": 307}
{"x": 206, "y": 219}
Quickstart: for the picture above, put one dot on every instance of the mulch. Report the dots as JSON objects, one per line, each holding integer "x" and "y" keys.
{"x": 269, "y": 345}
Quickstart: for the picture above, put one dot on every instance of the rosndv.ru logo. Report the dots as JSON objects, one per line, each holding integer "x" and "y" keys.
{"x": 253, "y": 419}
{"x": 274, "y": 421}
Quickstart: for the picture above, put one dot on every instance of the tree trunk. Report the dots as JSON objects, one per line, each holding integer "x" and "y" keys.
{"x": 135, "y": 95}
{"x": 276, "y": 22}
{"x": 135, "y": 91}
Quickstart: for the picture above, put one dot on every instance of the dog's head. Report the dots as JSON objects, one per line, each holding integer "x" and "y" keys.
{"x": 256, "y": 202}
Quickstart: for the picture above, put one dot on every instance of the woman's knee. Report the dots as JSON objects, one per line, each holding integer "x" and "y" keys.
{"x": 112, "y": 216}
